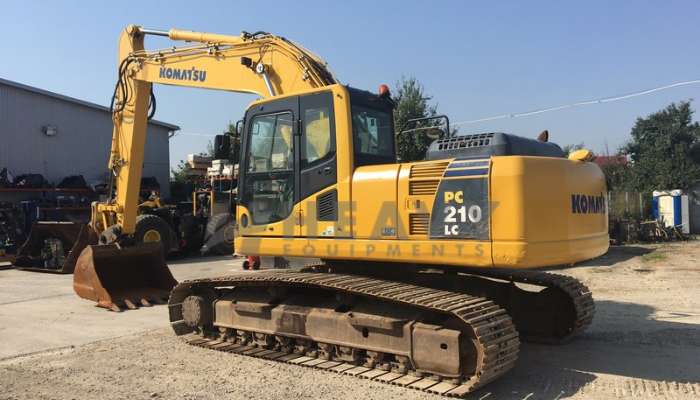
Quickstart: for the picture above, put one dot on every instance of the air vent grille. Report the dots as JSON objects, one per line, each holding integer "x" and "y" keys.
{"x": 466, "y": 141}
{"x": 428, "y": 170}
{"x": 422, "y": 179}
{"x": 423, "y": 188}
{"x": 418, "y": 224}
{"x": 327, "y": 206}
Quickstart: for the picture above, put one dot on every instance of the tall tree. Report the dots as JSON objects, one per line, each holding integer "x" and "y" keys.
{"x": 412, "y": 102}
{"x": 616, "y": 174}
{"x": 663, "y": 149}
{"x": 179, "y": 173}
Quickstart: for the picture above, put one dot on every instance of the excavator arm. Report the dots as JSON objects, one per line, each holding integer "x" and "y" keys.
{"x": 259, "y": 63}
{"x": 124, "y": 269}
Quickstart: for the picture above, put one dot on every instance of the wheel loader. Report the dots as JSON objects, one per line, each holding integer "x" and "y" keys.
{"x": 431, "y": 272}
{"x": 213, "y": 202}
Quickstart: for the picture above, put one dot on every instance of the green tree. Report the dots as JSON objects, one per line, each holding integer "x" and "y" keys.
{"x": 179, "y": 173}
{"x": 412, "y": 102}
{"x": 663, "y": 149}
{"x": 616, "y": 175}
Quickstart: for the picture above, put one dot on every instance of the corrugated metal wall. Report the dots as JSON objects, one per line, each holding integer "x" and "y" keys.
{"x": 81, "y": 146}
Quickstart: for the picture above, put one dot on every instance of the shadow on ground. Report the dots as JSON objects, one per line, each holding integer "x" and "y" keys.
{"x": 641, "y": 324}
{"x": 650, "y": 350}
{"x": 617, "y": 254}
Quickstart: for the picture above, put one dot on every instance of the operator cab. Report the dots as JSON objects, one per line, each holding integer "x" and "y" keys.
{"x": 290, "y": 150}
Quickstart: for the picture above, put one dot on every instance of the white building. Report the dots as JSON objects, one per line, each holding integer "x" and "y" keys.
{"x": 57, "y": 136}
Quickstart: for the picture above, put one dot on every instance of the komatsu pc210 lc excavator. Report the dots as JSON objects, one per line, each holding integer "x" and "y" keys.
{"x": 422, "y": 261}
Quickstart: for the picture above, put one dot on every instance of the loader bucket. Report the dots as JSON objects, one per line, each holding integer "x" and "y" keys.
{"x": 123, "y": 277}
{"x": 54, "y": 247}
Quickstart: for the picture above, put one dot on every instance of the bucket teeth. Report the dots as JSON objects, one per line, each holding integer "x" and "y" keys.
{"x": 129, "y": 276}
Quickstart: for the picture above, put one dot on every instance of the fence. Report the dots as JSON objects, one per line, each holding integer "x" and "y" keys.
{"x": 629, "y": 205}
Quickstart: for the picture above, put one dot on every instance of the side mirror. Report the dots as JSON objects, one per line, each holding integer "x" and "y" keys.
{"x": 222, "y": 147}
{"x": 239, "y": 128}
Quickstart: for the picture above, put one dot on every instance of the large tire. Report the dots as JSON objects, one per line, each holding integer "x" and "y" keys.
{"x": 152, "y": 228}
{"x": 219, "y": 235}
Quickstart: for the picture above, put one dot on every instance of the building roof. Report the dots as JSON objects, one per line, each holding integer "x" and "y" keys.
{"x": 76, "y": 101}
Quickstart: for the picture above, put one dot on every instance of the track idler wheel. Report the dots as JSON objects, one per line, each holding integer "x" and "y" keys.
{"x": 197, "y": 311}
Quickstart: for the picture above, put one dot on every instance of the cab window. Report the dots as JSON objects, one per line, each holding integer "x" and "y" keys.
{"x": 373, "y": 136}
{"x": 317, "y": 135}
{"x": 271, "y": 147}
{"x": 270, "y": 171}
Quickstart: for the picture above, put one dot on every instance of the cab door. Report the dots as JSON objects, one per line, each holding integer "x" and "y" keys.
{"x": 318, "y": 168}
{"x": 268, "y": 174}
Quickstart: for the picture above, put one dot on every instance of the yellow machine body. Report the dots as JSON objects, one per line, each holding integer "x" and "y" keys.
{"x": 385, "y": 212}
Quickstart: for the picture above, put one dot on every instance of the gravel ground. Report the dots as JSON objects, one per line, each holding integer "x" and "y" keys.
{"x": 644, "y": 343}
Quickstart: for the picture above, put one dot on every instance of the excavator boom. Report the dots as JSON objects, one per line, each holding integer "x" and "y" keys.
{"x": 258, "y": 63}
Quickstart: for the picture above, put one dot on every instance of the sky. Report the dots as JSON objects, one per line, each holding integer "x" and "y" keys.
{"x": 475, "y": 59}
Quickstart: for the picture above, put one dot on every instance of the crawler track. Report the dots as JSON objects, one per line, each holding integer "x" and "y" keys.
{"x": 560, "y": 308}
{"x": 572, "y": 318}
{"x": 494, "y": 336}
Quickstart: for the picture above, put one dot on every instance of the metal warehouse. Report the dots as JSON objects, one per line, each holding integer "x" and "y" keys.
{"x": 46, "y": 133}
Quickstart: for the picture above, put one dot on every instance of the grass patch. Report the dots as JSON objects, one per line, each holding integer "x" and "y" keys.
{"x": 654, "y": 256}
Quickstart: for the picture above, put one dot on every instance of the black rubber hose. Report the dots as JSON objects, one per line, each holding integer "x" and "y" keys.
{"x": 152, "y": 105}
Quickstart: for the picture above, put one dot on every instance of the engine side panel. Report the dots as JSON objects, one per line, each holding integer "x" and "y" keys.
{"x": 462, "y": 209}
{"x": 506, "y": 211}
{"x": 374, "y": 203}
{"x": 547, "y": 211}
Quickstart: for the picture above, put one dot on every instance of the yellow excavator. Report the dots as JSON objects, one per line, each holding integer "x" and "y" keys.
{"x": 431, "y": 271}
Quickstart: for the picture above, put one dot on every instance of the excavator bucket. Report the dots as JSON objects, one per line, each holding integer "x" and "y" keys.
{"x": 123, "y": 277}
{"x": 54, "y": 246}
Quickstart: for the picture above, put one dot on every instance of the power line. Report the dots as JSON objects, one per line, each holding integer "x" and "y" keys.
{"x": 580, "y": 103}
{"x": 194, "y": 134}
{"x": 541, "y": 110}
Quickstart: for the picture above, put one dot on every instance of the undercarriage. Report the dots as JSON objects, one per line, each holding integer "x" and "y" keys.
{"x": 432, "y": 330}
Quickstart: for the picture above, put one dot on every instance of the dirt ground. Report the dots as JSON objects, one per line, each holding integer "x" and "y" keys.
{"x": 644, "y": 343}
